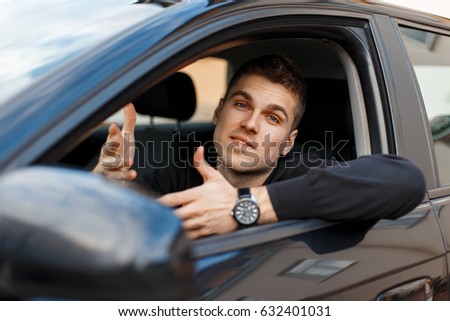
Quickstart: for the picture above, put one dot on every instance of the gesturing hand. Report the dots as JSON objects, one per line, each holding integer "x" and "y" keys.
{"x": 117, "y": 153}
{"x": 205, "y": 209}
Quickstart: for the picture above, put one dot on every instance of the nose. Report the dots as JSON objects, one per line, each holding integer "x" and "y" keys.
{"x": 250, "y": 122}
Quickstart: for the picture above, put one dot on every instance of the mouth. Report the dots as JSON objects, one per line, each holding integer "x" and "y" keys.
{"x": 244, "y": 141}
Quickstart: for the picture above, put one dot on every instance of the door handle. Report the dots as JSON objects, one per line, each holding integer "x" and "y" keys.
{"x": 417, "y": 290}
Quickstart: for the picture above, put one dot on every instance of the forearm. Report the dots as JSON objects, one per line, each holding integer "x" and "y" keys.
{"x": 368, "y": 188}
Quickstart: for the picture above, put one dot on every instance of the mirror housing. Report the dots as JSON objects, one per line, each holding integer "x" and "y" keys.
{"x": 74, "y": 235}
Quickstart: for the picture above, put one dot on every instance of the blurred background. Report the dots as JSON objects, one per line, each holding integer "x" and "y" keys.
{"x": 439, "y": 7}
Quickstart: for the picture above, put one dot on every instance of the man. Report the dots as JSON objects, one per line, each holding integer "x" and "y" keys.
{"x": 255, "y": 127}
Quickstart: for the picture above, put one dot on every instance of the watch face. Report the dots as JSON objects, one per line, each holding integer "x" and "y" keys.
{"x": 246, "y": 212}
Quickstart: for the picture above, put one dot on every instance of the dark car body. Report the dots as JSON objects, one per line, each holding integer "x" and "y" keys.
{"x": 357, "y": 47}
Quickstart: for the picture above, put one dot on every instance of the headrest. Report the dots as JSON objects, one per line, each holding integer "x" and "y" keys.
{"x": 326, "y": 104}
{"x": 174, "y": 97}
{"x": 328, "y": 109}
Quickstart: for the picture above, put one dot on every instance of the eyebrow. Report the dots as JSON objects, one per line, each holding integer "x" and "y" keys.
{"x": 273, "y": 107}
{"x": 243, "y": 93}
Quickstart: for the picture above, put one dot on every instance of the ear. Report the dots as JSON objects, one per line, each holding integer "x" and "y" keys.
{"x": 217, "y": 111}
{"x": 287, "y": 146}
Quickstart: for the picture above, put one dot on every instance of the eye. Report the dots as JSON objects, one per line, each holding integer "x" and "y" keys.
{"x": 241, "y": 105}
{"x": 273, "y": 119}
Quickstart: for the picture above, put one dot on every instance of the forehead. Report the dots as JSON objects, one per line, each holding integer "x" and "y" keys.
{"x": 249, "y": 79}
{"x": 259, "y": 88}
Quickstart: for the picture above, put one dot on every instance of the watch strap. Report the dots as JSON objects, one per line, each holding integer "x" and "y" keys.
{"x": 244, "y": 191}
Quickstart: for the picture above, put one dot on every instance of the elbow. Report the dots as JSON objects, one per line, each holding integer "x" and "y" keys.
{"x": 414, "y": 183}
{"x": 409, "y": 188}
{"x": 417, "y": 186}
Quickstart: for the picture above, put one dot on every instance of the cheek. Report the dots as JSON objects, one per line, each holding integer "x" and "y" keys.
{"x": 221, "y": 130}
{"x": 228, "y": 120}
{"x": 274, "y": 144}
{"x": 273, "y": 135}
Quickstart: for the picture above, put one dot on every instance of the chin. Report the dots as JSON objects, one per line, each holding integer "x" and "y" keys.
{"x": 248, "y": 166}
{"x": 252, "y": 162}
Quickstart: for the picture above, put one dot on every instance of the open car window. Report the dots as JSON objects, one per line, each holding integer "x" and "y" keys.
{"x": 334, "y": 125}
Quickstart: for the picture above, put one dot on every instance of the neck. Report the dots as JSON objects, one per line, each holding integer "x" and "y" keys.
{"x": 244, "y": 179}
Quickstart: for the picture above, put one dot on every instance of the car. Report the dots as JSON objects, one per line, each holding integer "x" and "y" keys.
{"x": 377, "y": 78}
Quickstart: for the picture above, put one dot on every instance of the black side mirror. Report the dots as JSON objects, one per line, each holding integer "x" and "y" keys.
{"x": 75, "y": 235}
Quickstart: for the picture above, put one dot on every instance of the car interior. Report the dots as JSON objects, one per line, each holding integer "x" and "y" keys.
{"x": 173, "y": 118}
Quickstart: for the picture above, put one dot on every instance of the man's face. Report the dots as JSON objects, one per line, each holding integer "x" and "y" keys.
{"x": 254, "y": 125}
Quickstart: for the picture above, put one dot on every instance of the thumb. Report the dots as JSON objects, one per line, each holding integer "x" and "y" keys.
{"x": 202, "y": 166}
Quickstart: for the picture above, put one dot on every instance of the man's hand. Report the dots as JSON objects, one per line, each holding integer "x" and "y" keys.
{"x": 205, "y": 209}
{"x": 117, "y": 153}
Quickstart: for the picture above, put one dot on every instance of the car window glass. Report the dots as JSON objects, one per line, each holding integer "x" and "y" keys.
{"x": 430, "y": 55}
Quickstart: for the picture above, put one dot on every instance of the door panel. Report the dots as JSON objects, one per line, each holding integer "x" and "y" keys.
{"x": 351, "y": 261}
{"x": 442, "y": 208}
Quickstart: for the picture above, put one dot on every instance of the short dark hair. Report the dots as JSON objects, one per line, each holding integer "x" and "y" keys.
{"x": 278, "y": 69}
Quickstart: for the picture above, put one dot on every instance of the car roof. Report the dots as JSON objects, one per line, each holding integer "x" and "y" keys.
{"x": 362, "y": 6}
{"x": 400, "y": 12}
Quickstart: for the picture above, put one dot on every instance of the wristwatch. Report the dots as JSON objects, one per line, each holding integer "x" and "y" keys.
{"x": 246, "y": 210}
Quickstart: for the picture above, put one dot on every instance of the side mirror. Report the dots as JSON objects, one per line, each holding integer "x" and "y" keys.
{"x": 68, "y": 234}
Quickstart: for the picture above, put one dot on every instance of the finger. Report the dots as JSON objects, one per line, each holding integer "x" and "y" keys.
{"x": 188, "y": 211}
{"x": 128, "y": 151}
{"x": 120, "y": 174}
{"x": 110, "y": 153}
{"x": 114, "y": 133}
{"x": 179, "y": 198}
{"x": 193, "y": 224}
{"x": 131, "y": 174}
{"x": 195, "y": 234}
{"x": 111, "y": 147}
{"x": 128, "y": 134}
{"x": 204, "y": 169}
{"x": 129, "y": 123}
